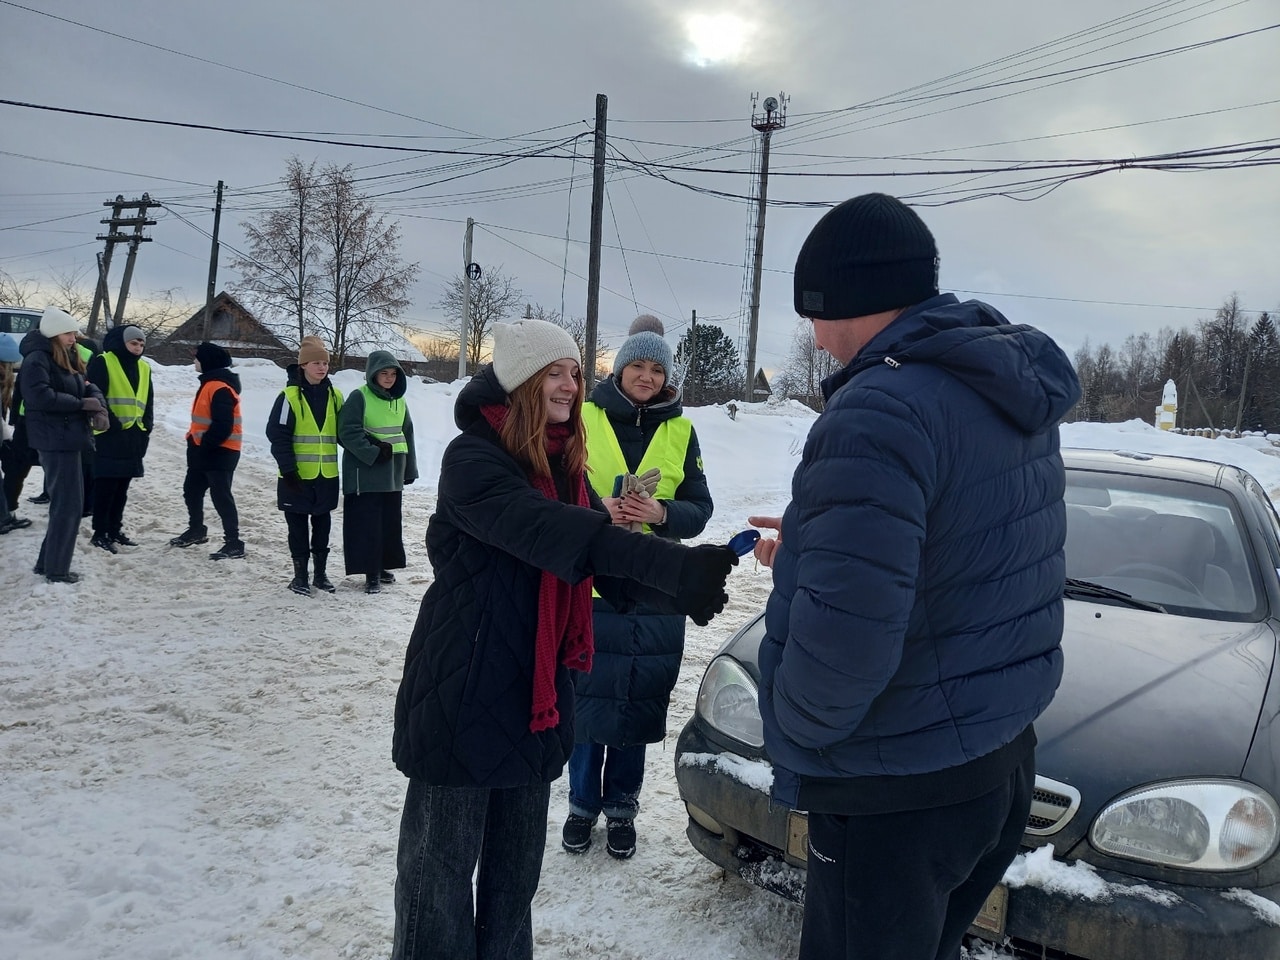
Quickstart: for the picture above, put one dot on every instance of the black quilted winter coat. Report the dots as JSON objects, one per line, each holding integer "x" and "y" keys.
{"x": 463, "y": 708}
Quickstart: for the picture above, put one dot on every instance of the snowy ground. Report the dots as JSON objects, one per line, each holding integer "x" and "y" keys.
{"x": 195, "y": 762}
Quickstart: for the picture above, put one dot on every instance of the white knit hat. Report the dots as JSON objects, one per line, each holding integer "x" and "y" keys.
{"x": 54, "y": 321}
{"x": 523, "y": 348}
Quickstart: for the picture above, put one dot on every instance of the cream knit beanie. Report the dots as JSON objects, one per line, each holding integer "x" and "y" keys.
{"x": 523, "y": 348}
{"x": 54, "y": 322}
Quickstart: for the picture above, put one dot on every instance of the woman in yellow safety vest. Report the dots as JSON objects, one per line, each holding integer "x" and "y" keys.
{"x": 635, "y": 426}
{"x": 378, "y": 462}
{"x": 125, "y": 380}
{"x": 303, "y": 430}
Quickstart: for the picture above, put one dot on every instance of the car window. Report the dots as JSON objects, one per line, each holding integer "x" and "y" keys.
{"x": 1182, "y": 545}
{"x": 14, "y": 322}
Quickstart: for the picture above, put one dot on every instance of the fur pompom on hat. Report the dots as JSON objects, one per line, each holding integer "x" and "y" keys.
{"x": 54, "y": 322}
{"x": 212, "y": 357}
{"x": 312, "y": 348}
{"x": 867, "y": 255}
{"x": 645, "y": 345}
{"x": 646, "y": 322}
{"x": 522, "y": 348}
{"x": 132, "y": 333}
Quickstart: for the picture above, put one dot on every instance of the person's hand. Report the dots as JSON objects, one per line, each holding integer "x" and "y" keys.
{"x": 408, "y": 481}
{"x": 614, "y": 506}
{"x": 765, "y": 548}
{"x": 99, "y": 422}
{"x": 384, "y": 451}
{"x": 641, "y": 508}
{"x": 292, "y": 481}
{"x": 91, "y": 405}
{"x": 703, "y": 572}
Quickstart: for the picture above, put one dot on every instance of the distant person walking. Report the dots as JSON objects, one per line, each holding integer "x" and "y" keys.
{"x": 213, "y": 453}
{"x": 303, "y": 430}
{"x": 635, "y": 424}
{"x": 484, "y": 714}
{"x": 125, "y": 380}
{"x": 378, "y": 461}
{"x": 62, "y": 408}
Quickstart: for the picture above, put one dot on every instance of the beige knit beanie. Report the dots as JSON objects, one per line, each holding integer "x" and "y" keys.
{"x": 523, "y": 348}
{"x": 312, "y": 348}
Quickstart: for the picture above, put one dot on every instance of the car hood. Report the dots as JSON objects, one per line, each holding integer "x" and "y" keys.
{"x": 1148, "y": 697}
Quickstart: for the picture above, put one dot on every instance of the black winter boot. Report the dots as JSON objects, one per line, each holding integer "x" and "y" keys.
{"x": 321, "y": 579}
{"x": 190, "y": 537}
{"x": 371, "y": 584}
{"x": 299, "y": 584}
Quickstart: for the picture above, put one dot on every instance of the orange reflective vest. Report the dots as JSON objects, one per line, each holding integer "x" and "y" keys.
{"x": 202, "y": 414}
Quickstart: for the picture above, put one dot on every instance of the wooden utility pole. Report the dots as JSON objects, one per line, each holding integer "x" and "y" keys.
{"x": 467, "y": 268}
{"x": 134, "y": 240}
{"x": 1244, "y": 385}
{"x": 693, "y": 356}
{"x": 775, "y": 118}
{"x": 597, "y": 230}
{"x": 104, "y": 265}
{"x": 210, "y": 291}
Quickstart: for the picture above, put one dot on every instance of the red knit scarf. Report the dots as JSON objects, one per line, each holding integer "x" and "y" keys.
{"x": 564, "y": 610}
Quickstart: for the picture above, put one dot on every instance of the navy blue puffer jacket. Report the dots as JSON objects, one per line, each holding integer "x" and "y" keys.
{"x": 916, "y": 616}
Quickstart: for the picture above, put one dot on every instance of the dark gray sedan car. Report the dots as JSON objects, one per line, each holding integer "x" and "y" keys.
{"x": 1154, "y": 828}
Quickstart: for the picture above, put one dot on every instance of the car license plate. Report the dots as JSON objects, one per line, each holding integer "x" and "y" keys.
{"x": 991, "y": 917}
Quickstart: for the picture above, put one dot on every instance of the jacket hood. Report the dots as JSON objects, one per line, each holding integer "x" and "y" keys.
{"x": 35, "y": 342}
{"x": 608, "y": 396}
{"x": 482, "y": 390}
{"x": 1018, "y": 369}
{"x": 224, "y": 375}
{"x": 381, "y": 360}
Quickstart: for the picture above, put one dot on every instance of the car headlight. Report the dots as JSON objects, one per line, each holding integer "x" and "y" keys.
{"x": 727, "y": 701}
{"x": 1191, "y": 824}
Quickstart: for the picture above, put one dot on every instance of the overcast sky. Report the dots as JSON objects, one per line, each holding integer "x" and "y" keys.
{"x": 933, "y": 102}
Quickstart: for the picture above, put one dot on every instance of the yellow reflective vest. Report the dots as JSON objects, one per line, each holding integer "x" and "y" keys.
{"x": 315, "y": 448}
{"x": 384, "y": 419}
{"x": 125, "y": 402}
{"x": 667, "y": 451}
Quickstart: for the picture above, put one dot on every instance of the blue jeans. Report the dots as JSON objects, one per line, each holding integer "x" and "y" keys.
{"x": 444, "y": 833}
{"x": 605, "y": 779}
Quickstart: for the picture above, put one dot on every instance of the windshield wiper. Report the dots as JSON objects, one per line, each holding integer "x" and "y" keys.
{"x": 1084, "y": 590}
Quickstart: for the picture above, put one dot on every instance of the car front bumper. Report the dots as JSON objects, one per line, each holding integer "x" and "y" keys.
{"x": 736, "y": 826}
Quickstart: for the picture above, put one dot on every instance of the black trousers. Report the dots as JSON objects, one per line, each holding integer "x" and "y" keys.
{"x": 906, "y": 886}
{"x": 308, "y": 533}
{"x": 65, "y": 482}
{"x": 371, "y": 536}
{"x": 217, "y": 483}
{"x": 110, "y": 494}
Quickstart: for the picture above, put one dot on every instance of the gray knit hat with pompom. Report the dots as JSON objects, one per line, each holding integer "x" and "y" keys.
{"x": 644, "y": 342}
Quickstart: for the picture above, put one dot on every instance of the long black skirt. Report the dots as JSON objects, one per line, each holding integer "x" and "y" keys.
{"x": 371, "y": 533}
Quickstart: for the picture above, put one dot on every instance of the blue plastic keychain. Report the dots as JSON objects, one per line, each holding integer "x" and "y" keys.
{"x": 744, "y": 542}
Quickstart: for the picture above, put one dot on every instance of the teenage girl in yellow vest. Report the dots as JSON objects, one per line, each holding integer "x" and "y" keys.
{"x": 125, "y": 380}
{"x": 303, "y": 430}
{"x": 378, "y": 462}
{"x": 634, "y": 423}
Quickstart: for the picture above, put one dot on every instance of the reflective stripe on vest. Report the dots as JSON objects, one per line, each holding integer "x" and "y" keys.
{"x": 202, "y": 414}
{"x": 384, "y": 419}
{"x": 315, "y": 448}
{"x": 127, "y": 405}
{"x": 667, "y": 451}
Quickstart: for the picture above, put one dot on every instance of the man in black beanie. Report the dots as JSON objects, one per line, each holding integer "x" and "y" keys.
{"x": 913, "y": 633}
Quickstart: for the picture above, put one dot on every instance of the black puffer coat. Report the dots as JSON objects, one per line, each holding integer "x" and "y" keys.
{"x": 119, "y": 452}
{"x": 56, "y": 421}
{"x": 463, "y": 708}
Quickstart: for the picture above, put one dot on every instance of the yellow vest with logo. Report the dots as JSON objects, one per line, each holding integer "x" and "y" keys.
{"x": 315, "y": 448}
{"x": 667, "y": 451}
{"x": 384, "y": 419}
{"x": 125, "y": 402}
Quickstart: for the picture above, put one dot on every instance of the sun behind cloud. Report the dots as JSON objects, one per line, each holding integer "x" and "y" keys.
{"x": 717, "y": 38}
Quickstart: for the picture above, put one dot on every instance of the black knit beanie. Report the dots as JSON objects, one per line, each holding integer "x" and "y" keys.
{"x": 869, "y": 254}
{"x": 212, "y": 357}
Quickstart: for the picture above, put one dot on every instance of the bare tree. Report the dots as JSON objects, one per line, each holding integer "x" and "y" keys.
{"x": 15, "y": 292}
{"x": 494, "y": 298}
{"x": 806, "y": 367}
{"x": 284, "y": 252}
{"x": 366, "y": 283}
{"x": 71, "y": 293}
{"x": 576, "y": 327}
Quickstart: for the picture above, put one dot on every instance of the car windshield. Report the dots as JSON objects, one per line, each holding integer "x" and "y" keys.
{"x": 1181, "y": 545}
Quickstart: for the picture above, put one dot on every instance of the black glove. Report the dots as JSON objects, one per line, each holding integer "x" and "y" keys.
{"x": 292, "y": 480}
{"x": 384, "y": 451}
{"x": 91, "y": 405}
{"x": 703, "y": 572}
